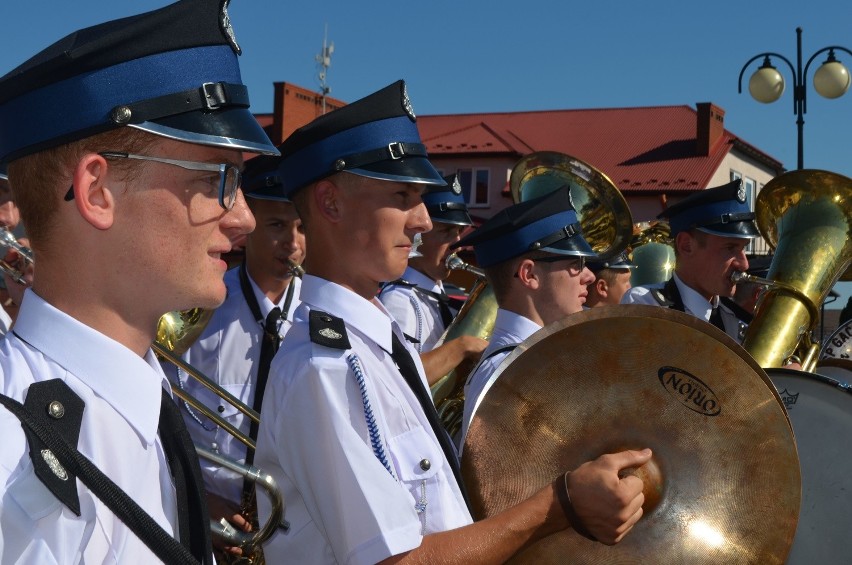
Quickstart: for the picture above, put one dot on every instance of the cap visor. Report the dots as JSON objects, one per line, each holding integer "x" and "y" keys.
{"x": 574, "y": 245}
{"x": 232, "y": 128}
{"x": 456, "y": 217}
{"x": 743, "y": 230}
{"x": 411, "y": 169}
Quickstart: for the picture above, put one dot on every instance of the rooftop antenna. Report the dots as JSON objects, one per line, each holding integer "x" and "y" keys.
{"x": 324, "y": 62}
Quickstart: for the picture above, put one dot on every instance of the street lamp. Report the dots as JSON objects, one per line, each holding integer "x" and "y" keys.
{"x": 766, "y": 85}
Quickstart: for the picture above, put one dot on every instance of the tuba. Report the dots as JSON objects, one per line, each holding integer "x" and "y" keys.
{"x": 652, "y": 253}
{"x": 806, "y": 216}
{"x": 606, "y": 223}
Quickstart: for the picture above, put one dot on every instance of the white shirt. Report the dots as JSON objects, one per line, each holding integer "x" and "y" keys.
{"x": 228, "y": 352}
{"x": 122, "y": 394}
{"x": 509, "y": 329}
{"x": 693, "y": 304}
{"x": 5, "y": 321}
{"x": 343, "y": 505}
{"x": 417, "y": 313}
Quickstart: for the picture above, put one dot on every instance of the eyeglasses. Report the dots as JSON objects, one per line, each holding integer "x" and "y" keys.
{"x": 229, "y": 175}
{"x": 575, "y": 268}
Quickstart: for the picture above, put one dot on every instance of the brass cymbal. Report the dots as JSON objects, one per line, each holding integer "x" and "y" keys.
{"x": 727, "y": 485}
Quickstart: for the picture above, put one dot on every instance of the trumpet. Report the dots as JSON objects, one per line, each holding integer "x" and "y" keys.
{"x": 455, "y": 263}
{"x": 16, "y": 272}
{"x": 296, "y": 270}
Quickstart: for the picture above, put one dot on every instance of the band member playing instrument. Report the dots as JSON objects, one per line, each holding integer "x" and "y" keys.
{"x": 124, "y": 143}
{"x": 711, "y": 230}
{"x": 349, "y": 429}
{"x": 612, "y": 280}
{"x": 243, "y": 334}
{"x": 418, "y": 301}
{"x": 533, "y": 254}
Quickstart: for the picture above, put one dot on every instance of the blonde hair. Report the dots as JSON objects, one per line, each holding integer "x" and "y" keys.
{"x": 39, "y": 181}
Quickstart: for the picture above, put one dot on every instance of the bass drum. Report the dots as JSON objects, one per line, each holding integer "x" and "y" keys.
{"x": 820, "y": 410}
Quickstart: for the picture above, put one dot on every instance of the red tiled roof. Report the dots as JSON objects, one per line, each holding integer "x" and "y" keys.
{"x": 640, "y": 149}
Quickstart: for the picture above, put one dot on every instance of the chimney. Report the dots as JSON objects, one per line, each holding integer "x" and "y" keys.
{"x": 710, "y": 127}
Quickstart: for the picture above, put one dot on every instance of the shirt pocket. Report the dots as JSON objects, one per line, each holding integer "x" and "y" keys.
{"x": 417, "y": 459}
{"x": 32, "y": 496}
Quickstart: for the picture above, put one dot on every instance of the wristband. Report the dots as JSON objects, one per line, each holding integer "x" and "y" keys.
{"x": 568, "y": 508}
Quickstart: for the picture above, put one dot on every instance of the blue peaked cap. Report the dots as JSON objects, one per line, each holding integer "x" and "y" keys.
{"x": 722, "y": 211}
{"x": 261, "y": 179}
{"x": 172, "y": 72}
{"x": 446, "y": 204}
{"x": 548, "y": 223}
{"x": 375, "y": 137}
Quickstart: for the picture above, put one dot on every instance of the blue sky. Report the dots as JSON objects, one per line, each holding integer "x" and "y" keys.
{"x": 478, "y": 56}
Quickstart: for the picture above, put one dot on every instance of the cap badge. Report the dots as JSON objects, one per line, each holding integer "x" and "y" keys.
{"x": 741, "y": 193}
{"x": 406, "y": 104}
{"x": 329, "y": 333}
{"x": 456, "y": 186}
{"x": 227, "y": 29}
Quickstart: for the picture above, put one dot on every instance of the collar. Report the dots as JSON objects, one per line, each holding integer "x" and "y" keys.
{"x": 127, "y": 382}
{"x": 367, "y": 316}
{"x": 514, "y": 325}
{"x": 422, "y": 281}
{"x": 263, "y": 302}
{"x": 693, "y": 302}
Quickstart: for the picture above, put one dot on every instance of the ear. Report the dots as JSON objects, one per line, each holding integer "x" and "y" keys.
{"x": 685, "y": 243}
{"x": 601, "y": 287}
{"x": 325, "y": 198}
{"x": 92, "y": 196}
{"x": 526, "y": 273}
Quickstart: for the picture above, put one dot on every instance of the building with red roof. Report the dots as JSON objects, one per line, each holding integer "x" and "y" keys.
{"x": 654, "y": 155}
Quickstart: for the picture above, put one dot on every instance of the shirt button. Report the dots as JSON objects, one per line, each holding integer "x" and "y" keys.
{"x": 220, "y": 408}
{"x": 425, "y": 464}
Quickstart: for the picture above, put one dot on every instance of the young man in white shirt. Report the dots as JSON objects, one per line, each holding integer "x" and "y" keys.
{"x": 349, "y": 429}
{"x": 124, "y": 143}
{"x": 711, "y": 230}
{"x": 533, "y": 254}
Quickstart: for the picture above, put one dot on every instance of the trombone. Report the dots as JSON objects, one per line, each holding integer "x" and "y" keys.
{"x": 175, "y": 332}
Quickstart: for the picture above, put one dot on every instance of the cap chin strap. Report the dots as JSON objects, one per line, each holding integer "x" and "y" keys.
{"x": 209, "y": 96}
{"x": 393, "y": 151}
{"x": 564, "y": 233}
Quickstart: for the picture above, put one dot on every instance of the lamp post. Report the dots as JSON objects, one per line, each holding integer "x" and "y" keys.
{"x": 766, "y": 85}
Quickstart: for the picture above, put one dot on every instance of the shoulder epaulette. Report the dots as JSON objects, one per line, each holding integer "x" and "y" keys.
{"x": 55, "y": 405}
{"x": 397, "y": 282}
{"x": 328, "y": 330}
{"x": 658, "y": 295}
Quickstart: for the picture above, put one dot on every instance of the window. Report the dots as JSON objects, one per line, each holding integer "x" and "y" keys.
{"x": 751, "y": 191}
{"x": 735, "y": 175}
{"x": 474, "y": 183}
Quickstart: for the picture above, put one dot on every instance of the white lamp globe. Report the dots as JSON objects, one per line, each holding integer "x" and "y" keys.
{"x": 831, "y": 79}
{"x": 766, "y": 84}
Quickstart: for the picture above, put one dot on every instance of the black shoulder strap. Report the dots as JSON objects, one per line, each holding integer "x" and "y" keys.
{"x": 669, "y": 296}
{"x": 67, "y": 459}
{"x": 494, "y": 353}
{"x": 328, "y": 330}
{"x": 397, "y": 282}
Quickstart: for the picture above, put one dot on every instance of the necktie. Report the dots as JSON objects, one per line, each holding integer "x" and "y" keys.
{"x": 193, "y": 516}
{"x": 268, "y": 347}
{"x": 409, "y": 372}
{"x": 444, "y": 307}
{"x": 716, "y": 318}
